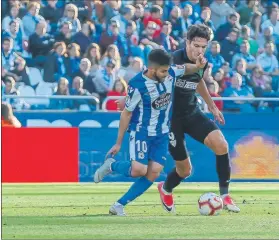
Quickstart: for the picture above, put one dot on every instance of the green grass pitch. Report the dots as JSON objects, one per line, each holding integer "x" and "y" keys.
{"x": 80, "y": 211}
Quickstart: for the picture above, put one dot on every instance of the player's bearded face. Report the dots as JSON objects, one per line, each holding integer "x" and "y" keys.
{"x": 161, "y": 73}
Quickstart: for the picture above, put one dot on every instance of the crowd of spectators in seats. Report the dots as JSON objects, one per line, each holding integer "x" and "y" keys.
{"x": 95, "y": 47}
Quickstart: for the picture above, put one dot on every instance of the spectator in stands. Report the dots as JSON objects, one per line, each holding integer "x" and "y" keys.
{"x": 55, "y": 67}
{"x": 176, "y": 24}
{"x": 112, "y": 36}
{"x": 86, "y": 36}
{"x": 13, "y": 16}
{"x": 10, "y": 89}
{"x": 246, "y": 35}
{"x": 119, "y": 89}
{"x": 244, "y": 53}
{"x": 219, "y": 78}
{"x": 71, "y": 15}
{"x": 65, "y": 34}
{"x": 241, "y": 68}
{"x": 96, "y": 11}
{"x": 255, "y": 25}
{"x": 155, "y": 17}
{"x": 267, "y": 36}
{"x": 196, "y": 9}
{"x": 73, "y": 60}
{"x": 227, "y": 74}
{"x": 131, "y": 41}
{"x": 62, "y": 90}
{"x": 20, "y": 73}
{"x": 205, "y": 18}
{"x": 138, "y": 18}
{"x": 8, "y": 54}
{"x": 127, "y": 14}
{"x": 32, "y": 18}
{"x": 84, "y": 73}
{"x": 133, "y": 69}
{"x": 14, "y": 33}
{"x": 186, "y": 20}
{"x": 111, "y": 9}
{"x": 52, "y": 14}
{"x": 167, "y": 41}
{"x": 78, "y": 90}
{"x": 213, "y": 89}
{"x": 8, "y": 119}
{"x": 105, "y": 78}
{"x": 147, "y": 40}
{"x": 223, "y": 31}
{"x": 235, "y": 90}
{"x": 220, "y": 10}
{"x": 112, "y": 53}
{"x": 269, "y": 63}
{"x": 260, "y": 82}
{"x": 273, "y": 21}
{"x": 229, "y": 46}
{"x": 246, "y": 12}
{"x": 93, "y": 53}
{"x": 215, "y": 57}
{"x": 40, "y": 43}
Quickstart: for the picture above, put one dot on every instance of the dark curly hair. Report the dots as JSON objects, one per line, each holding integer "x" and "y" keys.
{"x": 200, "y": 31}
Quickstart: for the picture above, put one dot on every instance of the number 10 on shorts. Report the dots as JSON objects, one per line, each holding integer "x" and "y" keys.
{"x": 138, "y": 147}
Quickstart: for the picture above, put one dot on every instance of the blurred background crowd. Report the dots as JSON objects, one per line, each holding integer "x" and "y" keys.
{"x": 94, "y": 48}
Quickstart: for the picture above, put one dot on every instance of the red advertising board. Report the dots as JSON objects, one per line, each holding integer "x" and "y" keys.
{"x": 39, "y": 155}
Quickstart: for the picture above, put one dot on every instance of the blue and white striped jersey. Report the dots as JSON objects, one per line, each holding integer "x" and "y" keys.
{"x": 151, "y": 102}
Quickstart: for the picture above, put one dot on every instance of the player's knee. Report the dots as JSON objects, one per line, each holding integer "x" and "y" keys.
{"x": 138, "y": 171}
{"x": 152, "y": 176}
{"x": 185, "y": 171}
{"x": 221, "y": 147}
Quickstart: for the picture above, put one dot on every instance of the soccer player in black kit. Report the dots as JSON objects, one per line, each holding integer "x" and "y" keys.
{"x": 188, "y": 118}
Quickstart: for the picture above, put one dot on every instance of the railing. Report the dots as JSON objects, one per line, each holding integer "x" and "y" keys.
{"x": 97, "y": 101}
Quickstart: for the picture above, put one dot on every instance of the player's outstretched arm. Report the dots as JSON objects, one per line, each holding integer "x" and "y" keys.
{"x": 202, "y": 90}
{"x": 123, "y": 125}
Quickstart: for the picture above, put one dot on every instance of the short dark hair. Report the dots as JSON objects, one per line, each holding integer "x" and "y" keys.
{"x": 198, "y": 30}
{"x": 132, "y": 24}
{"x": 156, "y": 9}
{"x": 159, "y": 57}
{"x": 233, "y": 15}
{"x": 7, "y": 39}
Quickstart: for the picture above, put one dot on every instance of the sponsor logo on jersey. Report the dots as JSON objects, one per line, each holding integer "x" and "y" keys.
{"x": 181, "y": 83}
{"x": 162, "y": 102}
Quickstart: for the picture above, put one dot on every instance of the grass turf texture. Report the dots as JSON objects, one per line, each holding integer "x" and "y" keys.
{"x": 80, "y": 211}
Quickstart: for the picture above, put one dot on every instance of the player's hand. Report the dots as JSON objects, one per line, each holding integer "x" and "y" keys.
{"x": 114, "y": 150}
{"x": 120, "y": 104}
{"x": 201, "y": 61}
{"x": 218, "y": 116}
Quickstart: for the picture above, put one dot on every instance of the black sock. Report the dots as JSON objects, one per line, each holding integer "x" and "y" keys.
{"x": 224, "y": 172}
{"x": 173, "y": 180}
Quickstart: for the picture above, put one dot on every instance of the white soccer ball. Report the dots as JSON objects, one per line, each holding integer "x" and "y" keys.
{"x": 210, "y": 204}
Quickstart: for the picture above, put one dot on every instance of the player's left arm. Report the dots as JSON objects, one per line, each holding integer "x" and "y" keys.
{"x": 202, "y": 90}
{"x": 193, "y": 68}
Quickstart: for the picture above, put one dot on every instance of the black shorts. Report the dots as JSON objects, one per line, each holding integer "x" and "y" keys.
{"x": 198, "y": 126}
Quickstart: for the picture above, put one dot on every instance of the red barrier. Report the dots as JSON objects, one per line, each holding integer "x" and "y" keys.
{"x": 40, "y": 154}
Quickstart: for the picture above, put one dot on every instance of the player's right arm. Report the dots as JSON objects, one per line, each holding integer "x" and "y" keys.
{"x": 132, "y": 100}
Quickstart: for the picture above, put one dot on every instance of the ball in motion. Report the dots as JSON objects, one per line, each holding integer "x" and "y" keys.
{"x": 210, "y": 204}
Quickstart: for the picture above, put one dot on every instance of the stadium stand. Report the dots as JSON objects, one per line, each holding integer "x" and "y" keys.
{"x": 44, "y": 41}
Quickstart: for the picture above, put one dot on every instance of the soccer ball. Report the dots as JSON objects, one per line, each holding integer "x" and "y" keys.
{"x": 210, "y": 204}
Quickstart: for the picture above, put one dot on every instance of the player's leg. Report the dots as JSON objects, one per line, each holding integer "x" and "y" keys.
{"x": 181, "y": 171}
{"x": 216, "y": 141}
{"x": 157, "y": 152}
{"x": 207, "y": 132}
{"x": 128, "y": 168}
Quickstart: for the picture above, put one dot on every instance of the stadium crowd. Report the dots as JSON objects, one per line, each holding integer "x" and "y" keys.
{"x": 93, "y": 47}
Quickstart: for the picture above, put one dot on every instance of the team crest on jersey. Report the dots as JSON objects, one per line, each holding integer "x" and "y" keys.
{"x": 162, "y": 102}
{"x": 141, "y": 155}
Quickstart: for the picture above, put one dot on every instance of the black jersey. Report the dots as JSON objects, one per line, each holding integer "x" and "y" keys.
{"x": 185, "y": 100}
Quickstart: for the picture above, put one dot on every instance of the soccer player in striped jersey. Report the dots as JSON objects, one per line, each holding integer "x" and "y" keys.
{"x": 147, "y": 116}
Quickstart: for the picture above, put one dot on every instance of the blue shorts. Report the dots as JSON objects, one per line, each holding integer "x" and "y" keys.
{"x": 144, "y": 148}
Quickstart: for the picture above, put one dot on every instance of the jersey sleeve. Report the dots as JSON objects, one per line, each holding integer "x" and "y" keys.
{"x": 179, "y": 70}
{"x": 132, "y": 99}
